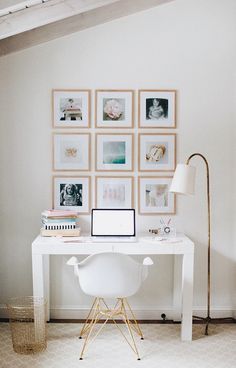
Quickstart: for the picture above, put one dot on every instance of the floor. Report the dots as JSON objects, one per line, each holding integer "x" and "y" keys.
{"x": 161, "y": 348}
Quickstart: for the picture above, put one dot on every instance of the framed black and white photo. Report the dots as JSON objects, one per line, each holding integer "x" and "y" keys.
{"x": 157, "y": 108}
{"x": 71, "y": 108}
{"x": 114, "y": 192}
{"x": 71, "y": 193}
{"x": 71, "y": 151}
{"x": 114, "y": 152}
{"x": 114, "y": 108}
{"x": 154, "y": 196}
{"x": 157, "y": 152}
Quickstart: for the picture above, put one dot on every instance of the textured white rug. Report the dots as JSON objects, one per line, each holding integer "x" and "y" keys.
{"x": 162, "y": 348}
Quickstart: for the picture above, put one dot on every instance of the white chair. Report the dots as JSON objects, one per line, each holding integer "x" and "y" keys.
{"x": 110, "y": 275}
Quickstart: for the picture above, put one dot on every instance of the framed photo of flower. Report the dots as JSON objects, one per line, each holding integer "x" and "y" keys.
{"x": 71, "y": 108}
{"x": 71, "y": 151}
{"x": 114, "y": 192}
{"x": 154, "y": 196}
{"x": 157, "y": 108}
{"x": 114, "y": 152}
{"x": 157, "y": 152}
{"x": 114, "y": 108}
{"x": 71, "y": 193}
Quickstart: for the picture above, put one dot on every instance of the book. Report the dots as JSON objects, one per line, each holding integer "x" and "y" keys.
{"x": 61, "y": 226}
{"x": 58, "y": 220}
{"x": 68, "y": 232}
{"x": 59, "y": 213}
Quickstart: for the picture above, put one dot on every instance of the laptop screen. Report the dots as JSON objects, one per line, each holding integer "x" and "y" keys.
{"x": 115, "y": 222}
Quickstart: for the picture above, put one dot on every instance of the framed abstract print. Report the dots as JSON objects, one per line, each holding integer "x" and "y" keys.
{"x": 157, "y": 108}
{"x": 114, "y": 192}
{"x": 154, "y": 196}
{"x": 114, "y": 108}
{"x": 114, "y": 152}
{"x": 71, "y": 108}
{"x": 157, "y": 152}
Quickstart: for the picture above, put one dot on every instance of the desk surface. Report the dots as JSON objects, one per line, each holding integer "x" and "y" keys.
{"x": 145, "y": 244}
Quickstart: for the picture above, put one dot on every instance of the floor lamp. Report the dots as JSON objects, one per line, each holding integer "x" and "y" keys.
{"x": 184, "y": 183}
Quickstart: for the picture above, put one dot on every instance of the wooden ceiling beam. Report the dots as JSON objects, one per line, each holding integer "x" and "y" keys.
{"x": 76, "y": 23}
{"x": 4, "y": 4}
{"x": 46, "y": 13}
{"x": 7, "y": 8}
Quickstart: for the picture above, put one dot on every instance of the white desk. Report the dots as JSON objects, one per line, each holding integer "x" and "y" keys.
{"x": 43, "y": 247}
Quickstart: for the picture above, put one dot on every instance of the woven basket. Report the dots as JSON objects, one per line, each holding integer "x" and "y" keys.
{"x": 27, "y": 316}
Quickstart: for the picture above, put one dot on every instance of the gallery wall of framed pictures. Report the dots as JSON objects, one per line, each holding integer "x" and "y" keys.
{"x": 122, "y": 158}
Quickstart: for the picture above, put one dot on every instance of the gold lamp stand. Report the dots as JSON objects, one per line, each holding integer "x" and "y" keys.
{"x": 208, "y": 318}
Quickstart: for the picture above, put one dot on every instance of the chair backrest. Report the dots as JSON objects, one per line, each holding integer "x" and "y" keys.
{"x": 110, "y": 275}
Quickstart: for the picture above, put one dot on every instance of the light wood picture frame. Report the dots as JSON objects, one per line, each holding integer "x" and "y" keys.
{"x": 157, "y": 108}
{"x": 156, "y": 151}
{"x": 114, "y": 108}
{"x": 71, "y": 151}
{"x": 114, "y": 192}
{"x": 72, "y": 193}
{"x": 71, "y": 108}
{"x": 114, "y": 151}
{"x": 154, "y": 197}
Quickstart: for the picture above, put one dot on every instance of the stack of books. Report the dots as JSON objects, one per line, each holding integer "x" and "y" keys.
{"x": 57, "y": 222}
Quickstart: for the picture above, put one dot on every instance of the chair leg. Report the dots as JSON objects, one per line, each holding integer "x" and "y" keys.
{"x": 121, "y": 311}
{"x": 128, "y": 325}
{"x": 135, "y": 325}
{"x": 86, "y": 323}
{"x": 90, "y": 326}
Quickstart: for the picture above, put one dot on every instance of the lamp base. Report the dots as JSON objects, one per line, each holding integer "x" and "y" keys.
{"x": 207, "y": 320}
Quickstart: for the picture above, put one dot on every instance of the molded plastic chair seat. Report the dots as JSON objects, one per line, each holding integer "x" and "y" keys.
{"x": 110, "y": 275}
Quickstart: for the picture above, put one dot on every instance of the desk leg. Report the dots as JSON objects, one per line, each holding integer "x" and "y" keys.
{"x": 40, "y": 269}
{"x": 187, "y": 295}
{"x": 177, "y": 300}
{"x": 46, "y": 262}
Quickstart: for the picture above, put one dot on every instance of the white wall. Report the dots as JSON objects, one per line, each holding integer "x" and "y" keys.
{"x": 187, "y": 45}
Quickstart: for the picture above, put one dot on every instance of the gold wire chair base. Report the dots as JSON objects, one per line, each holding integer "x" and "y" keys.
{"x": 101, "y": 311}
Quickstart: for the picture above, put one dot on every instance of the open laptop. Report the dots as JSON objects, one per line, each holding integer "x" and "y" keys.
{"x": 113, "y": 225}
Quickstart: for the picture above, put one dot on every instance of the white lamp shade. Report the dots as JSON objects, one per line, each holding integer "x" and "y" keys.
{"x": 184, "y": 179}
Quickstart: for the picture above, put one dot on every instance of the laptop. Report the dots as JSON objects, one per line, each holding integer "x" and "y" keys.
{"x": 113, "y": 225}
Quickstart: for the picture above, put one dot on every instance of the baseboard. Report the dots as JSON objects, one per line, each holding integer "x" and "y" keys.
{"x": 142, "y": 312}
{"x": 81, "y": 313}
